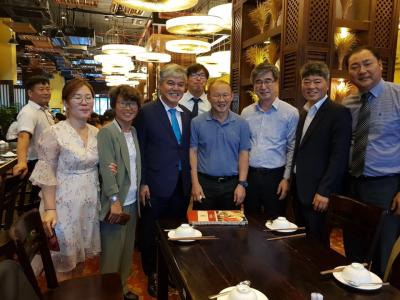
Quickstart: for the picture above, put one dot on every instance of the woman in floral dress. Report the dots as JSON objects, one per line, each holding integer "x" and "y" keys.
{"x": 68, "y": 176}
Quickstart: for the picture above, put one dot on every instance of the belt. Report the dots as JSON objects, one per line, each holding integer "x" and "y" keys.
{"x": 218, "y": 178}
{"x": 363, "y": 177}
{"x": 265, "y": 170}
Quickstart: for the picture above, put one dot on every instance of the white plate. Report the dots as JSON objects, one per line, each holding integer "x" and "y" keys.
{"x": 9, "y": 154}
{"x": 269, "y": 225}
{"x": 197, "y": 233}
{"x": 2, "y": 161}
{"x": 374, "y": 278}
{"x": 260, "y": 296}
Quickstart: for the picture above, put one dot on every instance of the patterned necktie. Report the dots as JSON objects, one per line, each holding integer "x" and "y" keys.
{"x": 195, "y": 110}
{"x": 175, "y": 124}
{"x": 361, "y": 137}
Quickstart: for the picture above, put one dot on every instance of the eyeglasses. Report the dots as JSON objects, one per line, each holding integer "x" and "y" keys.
{"x": 262, "y": 82}
{"x": 79, "y": 99}
{"x": 198, "y": 75}
{"x": 128, "y": 104}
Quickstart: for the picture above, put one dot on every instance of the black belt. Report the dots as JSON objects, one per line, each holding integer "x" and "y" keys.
{"x": 218, "y": 178}
{"x": 265, "y": 170}
{"x": 362, "y": 177}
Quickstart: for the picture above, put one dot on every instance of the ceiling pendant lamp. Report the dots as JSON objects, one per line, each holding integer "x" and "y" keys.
{"x": 158, "y": 6}
{"x": 114, "y": 59}
{"x": 122, "y": 49}
{"x": 136, "y": 76}
{"x": 224, "y": 61}
{"x": 224, "y": 11}
{"x": 195, "y": 25}
{"x": 188, "y": 46}
{"x": 155, "y": 57}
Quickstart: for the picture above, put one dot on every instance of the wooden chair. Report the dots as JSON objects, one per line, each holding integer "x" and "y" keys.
{"x": 30, "y": 239}
{"x": 29, "y": 199}
{"x": 12, "y": 188}
{"x": 360, "y": 224}
{"x": 392, "y": 273}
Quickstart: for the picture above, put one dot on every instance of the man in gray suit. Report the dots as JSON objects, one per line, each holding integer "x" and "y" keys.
{"x": 118, "y": 144}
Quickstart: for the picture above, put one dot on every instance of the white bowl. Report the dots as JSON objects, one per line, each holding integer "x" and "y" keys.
{"x": 357, "y": 273}
{"x": 185, "y": 230}
{"x": 242, "y": 292}
{"x": 280, "y": 222}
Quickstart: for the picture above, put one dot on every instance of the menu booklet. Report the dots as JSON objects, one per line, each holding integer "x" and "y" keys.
{"x": 216, "y": 217}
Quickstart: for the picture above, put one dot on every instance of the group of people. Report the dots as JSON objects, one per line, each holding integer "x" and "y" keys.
{"x": 189, "y": 146}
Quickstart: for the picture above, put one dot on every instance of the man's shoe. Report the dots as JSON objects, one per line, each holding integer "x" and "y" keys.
{"x": 131, "y": 296}
{"x": 152, "y": 286}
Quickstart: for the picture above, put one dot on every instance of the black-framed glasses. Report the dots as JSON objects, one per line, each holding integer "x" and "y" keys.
{"x": 198, "y": 75}
{"x": 124, "y": 104}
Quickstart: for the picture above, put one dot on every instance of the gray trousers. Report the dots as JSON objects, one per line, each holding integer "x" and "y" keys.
{"x": 380, "y": 191}
{"x": 117, "y": 244}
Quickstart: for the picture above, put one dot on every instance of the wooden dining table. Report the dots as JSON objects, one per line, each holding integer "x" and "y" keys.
{"x": 281, "y": 269}
{"x": 7, "y": 163}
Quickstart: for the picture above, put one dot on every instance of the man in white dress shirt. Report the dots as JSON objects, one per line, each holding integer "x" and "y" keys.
{"x": 195, "y": 98}
{"x": 33, "y": 119}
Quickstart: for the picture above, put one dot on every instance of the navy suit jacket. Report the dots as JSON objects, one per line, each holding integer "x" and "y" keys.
{"x": 321, "y": 158}
{"x": 160, "y": 150}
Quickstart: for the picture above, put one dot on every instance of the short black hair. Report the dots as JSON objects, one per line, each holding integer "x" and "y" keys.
{"x": 108, "y": 115}
{"x": 60, "y": 116}
{"x": 196, "y": 68}
{"x": 359, "y": 49}
{"x": 126, "y": 92}
{"x": 317, "y": 68}
{"x": 34, "y": 80}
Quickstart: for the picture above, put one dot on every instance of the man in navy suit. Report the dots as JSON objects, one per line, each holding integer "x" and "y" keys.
{"x": 321, "y": 150}
{"x": 163, "y": 129}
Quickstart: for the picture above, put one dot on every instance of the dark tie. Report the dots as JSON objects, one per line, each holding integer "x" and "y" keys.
{"x": 195, "y": 110}
{"x": 175, "y": 125}
{"x": 361, "y": 137}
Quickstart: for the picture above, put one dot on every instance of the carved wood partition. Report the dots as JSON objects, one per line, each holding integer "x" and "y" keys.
{"x": 307, "y": 33}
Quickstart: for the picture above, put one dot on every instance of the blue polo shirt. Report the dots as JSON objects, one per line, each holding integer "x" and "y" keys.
{"x": 219, "y": 144}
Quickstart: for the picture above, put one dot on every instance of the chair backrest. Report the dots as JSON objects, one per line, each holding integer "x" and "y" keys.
{"x": 29, "y": 198}
{"x": 11, "y": 190}
{"x": 30, "y": 239}
{"x": 392, "y": 273}
{"x": 360, "y": 223}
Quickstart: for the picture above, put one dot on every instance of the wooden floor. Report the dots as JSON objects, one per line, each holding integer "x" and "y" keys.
{"x": 138, "y": 281}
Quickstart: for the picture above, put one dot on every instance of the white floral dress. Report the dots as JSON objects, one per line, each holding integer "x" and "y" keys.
{"x": 65, "y": 161}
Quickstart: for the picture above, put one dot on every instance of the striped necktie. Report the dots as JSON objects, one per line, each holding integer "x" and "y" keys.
{"x": 361, "y": 137}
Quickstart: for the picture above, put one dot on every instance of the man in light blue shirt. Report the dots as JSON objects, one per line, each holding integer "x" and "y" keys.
{"x": 273, "y": 124}
{"x": 375, "y": 158}
{"x": 219, "y": 153}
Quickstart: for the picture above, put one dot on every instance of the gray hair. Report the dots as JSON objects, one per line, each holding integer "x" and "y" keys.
{"x": 172, "y": 70}
{"x": 317, "y": 68}
{"x": 263, "y": 69}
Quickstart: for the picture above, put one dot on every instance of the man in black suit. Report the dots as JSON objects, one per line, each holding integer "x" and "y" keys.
{"x": 163, "y": 129}
{"x": 321, "y": 151}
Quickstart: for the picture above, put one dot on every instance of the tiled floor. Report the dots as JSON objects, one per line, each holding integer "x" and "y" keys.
{"x": 138, "y": 281}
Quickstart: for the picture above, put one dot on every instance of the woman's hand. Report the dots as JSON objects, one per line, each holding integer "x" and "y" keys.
{"x": 113, "y": 168}
{"x": 49, "y": 221}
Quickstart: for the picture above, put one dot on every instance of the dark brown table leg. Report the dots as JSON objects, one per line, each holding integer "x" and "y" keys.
{"x": 162, "y": 275}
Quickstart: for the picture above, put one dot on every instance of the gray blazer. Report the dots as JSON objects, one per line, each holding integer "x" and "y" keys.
{"x": 112, "y": 148}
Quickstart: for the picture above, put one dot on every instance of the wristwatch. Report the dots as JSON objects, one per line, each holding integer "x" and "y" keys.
{"x": 113, "y": 198}
{"x": 243, "y": 183}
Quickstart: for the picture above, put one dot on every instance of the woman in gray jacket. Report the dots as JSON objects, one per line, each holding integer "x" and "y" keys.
{"x": 117, "y": 143}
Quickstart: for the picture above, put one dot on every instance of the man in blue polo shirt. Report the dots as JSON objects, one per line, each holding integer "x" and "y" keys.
{"x": 219, "y": 153}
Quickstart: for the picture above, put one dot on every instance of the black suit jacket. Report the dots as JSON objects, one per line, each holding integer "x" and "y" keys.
{"x": 321, "y": 157}
{"x": 160, "y": 150}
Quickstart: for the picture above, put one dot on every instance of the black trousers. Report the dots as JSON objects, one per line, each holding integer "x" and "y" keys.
{"x": 175, "y": 207}
{"x": 305, "y": 215}
{"x": 34, "y": 193}
{"x": 261, "y": 193}
{"x": 218, "y": 193}
{"x": 378, "y": 191}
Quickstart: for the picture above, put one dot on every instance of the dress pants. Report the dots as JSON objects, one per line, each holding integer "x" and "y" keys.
{"x": 219, "y": 193}
{"x": 305, "y": 215}
{"x": 261, "y": 192}
{"x": 34, "y": 194}
{"x": 117, "y": 246}
{"x": 174, "y": 206}
{"x": 379, "y": 191}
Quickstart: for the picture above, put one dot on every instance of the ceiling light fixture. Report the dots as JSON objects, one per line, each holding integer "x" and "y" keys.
{"x": 224, "y": 11}
{"x": 158, "y": 6}
{"x": 224, "y": 61}
{"x": 122, "y": 49}
{"x": 137, "y": 75}
{"x": 195, "y": 25}
{"x": 155, "y": 57}
{"x": 188, "y": 46}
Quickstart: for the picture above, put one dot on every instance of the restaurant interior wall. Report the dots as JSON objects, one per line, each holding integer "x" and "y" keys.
{"x": 306, "y": 32}
{"x": 8, "y": 65}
